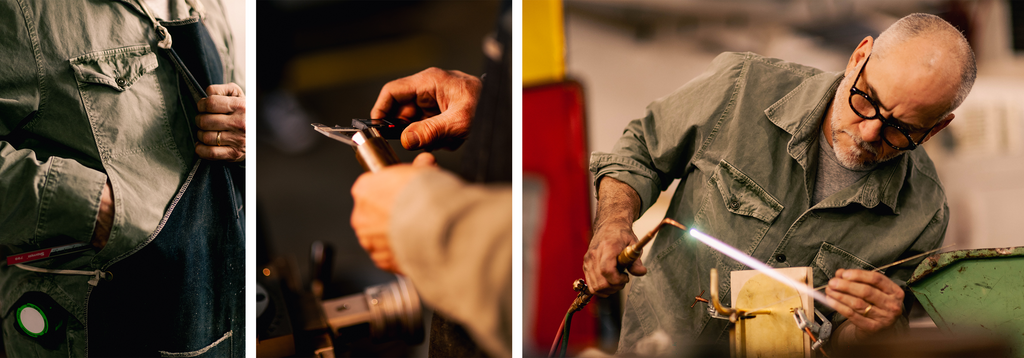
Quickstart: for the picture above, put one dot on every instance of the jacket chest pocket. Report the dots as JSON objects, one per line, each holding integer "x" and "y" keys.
{"x": 122, "y": 96}
{"x": 735, "y": 210}
{"x": 831, "y": 258}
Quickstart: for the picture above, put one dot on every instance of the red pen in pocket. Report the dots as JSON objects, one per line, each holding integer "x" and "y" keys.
{"x": 47, "y": 253}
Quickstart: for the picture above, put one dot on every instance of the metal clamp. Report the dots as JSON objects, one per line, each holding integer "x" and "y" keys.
{"x": 822, "y": 331}
{"x": 732, "y": 313}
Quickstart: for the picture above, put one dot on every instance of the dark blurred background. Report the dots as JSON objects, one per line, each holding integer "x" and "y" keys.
{"x": 325, "y": 62}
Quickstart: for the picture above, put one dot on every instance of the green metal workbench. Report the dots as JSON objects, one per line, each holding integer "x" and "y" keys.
{"x": 975, "y": 292}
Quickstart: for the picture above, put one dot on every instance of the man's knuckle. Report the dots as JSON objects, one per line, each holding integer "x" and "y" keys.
{"x": 434, "y": 71}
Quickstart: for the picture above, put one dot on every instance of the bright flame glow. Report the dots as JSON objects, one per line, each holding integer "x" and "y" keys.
{"x": 757, "y": 265}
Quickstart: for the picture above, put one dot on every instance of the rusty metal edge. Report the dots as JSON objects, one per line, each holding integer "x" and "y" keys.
{"x": 936, "y": 263}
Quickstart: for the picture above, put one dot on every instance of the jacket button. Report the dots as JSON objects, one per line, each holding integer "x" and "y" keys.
{"x": 733, "y": 204}
{"x": 780, "y": 257}
{"x": 121, "y": 82}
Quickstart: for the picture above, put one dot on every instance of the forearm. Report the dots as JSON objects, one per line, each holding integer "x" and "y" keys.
{"x": 617, "y": 203}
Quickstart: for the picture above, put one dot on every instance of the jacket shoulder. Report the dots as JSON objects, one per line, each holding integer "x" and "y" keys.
{"x": 774, "y": 66}
{"x": 923, "y": 175}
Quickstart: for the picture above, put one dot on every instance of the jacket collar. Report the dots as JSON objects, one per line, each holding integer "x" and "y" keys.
{"x": 800, "y": 113}
{"x": 179, "y": 9}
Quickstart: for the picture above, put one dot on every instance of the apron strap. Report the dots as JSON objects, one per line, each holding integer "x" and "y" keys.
{"x": 165, "y": 37}
{"x": 198, "y": 7}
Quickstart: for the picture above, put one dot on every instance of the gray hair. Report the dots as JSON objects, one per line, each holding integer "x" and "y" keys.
{"x": 918, "y": 24}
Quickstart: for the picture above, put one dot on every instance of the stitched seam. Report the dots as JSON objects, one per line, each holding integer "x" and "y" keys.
{"x": 625, "y": 164}
{"x": 137, "y": 150}
{"x": 168, "y": 134}
{"x": 788, "y": 68}
{"x": 133, "y": 73}
{"x": 185, "y": 21}
{"x": 37, "y": 53}
{"x": 745, "y": 179}
{"x": 163, "y": 221}
{"x": 728, "y": 108}
{"x": 785, "y": 239}
{"x": 103, "y": 151}
{"x": 843, "y": 253}
{"x": 140, "y": 49}
{"x": 45, "y": 197}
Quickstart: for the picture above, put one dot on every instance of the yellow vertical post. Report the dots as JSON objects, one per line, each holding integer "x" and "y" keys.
{"x": 543, "y": 42}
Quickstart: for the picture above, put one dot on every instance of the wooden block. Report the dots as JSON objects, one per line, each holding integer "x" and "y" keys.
{"x": 774, "y": 334}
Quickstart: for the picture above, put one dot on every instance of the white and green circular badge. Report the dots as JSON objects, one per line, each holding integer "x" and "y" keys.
{"x": 32, "y": 320}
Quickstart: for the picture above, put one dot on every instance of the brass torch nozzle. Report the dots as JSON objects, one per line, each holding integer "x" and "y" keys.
{"x": 632, "y": 252}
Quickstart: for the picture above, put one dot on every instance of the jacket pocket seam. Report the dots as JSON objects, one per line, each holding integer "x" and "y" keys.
{"x": 829, "y": 248}
{"x": 143, "y": 61}
{"x": 739, "y": 177}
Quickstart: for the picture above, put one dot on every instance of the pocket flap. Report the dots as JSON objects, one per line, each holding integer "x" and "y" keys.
{"x": 831, "y": 258}
{"x": 742, "y": 196}
{"x": 116, "y": 68}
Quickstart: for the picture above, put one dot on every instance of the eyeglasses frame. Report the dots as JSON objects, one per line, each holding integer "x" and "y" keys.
{"x": 891, "y": 121}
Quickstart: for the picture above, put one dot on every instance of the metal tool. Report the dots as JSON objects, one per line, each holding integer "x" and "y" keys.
{"x": 625, "y": 259}
{"x": 389, "y": 128}
{"x": 372, "y": 150}
{"x": 808, "y": 326}
{"x": 732, "y": 312}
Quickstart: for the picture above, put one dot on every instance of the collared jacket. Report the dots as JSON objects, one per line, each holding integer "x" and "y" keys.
{"x": 743, "y": 139}
{"x": 85, "y": 97}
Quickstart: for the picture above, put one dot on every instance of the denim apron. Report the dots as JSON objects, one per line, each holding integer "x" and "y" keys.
{"x": 181, "y": 294}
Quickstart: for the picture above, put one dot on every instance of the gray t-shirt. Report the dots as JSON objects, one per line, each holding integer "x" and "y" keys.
{"x": 832, "y": 177}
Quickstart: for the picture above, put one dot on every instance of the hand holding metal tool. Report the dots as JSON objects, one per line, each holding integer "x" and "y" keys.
{"x": 372, "y": 149}
{"x": 625, "y": 259}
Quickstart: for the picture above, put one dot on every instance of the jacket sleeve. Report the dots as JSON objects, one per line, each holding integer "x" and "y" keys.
{"x": 454, "y": 241}
{"x": 658, "y": 148}
{"x": 40, "y": 197}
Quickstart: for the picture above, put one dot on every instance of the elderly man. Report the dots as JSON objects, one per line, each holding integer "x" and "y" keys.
{"x": 793, "y": 166}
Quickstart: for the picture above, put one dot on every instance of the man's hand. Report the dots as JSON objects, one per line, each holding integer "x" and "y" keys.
{"x": 104, "y": 218}
{"x": 441, "y": 103}
{"x": 853, "y": 292}
{"x": 600, "y": 262}
{"x": 618, "y": 206}
{"x": 221, "y": 123}
{"x": 374, "y": 195}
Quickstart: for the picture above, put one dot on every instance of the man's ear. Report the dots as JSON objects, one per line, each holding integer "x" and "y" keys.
{"x": 938, "y": 127}
{"x": 860, "y": 53}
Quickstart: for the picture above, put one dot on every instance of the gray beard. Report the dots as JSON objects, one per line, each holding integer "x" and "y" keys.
{"x": 847, "y": 155}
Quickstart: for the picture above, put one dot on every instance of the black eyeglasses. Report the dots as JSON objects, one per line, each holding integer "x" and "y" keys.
{"x": 892, "y": 133}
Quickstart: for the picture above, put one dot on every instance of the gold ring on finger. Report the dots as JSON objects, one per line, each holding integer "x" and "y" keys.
{"x": 218, "y": 138}
{"x": 866, "y": 310}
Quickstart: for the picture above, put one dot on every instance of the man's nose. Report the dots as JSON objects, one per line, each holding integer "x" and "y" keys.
{"x": 871, "y": 130}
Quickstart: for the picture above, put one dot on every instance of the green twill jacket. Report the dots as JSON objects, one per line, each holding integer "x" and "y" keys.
{"x": 86, "y": 97}
{"x": 743, "y": 139}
